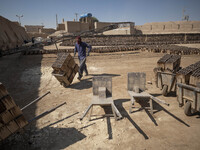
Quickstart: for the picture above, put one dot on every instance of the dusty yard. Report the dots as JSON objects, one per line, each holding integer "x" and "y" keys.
{"x": 27, "y": 77}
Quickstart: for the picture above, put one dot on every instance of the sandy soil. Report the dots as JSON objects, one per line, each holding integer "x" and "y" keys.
{"x": 27, "y": 77}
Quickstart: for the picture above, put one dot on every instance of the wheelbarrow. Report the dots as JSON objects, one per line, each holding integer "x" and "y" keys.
{"x": 166, "y": 82}
{"x": 190, "y": 97}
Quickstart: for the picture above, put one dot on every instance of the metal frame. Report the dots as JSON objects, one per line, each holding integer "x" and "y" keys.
{"x": 102, "y": 96}
{"x": 136, "y": 89}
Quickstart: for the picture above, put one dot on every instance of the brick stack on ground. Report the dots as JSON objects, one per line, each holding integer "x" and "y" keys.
{"x": 11, "y": 117}
{"x": 65, "y": 69}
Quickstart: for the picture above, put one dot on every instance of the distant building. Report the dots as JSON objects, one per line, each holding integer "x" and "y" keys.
{"x": 33, "y": 28}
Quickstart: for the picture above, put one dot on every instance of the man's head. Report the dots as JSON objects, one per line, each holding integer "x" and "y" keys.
{"x": 78, "y": 39}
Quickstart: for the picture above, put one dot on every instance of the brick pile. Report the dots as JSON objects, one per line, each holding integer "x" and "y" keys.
{"x": 65, "y": 69}
{"x": 11, "y": 117}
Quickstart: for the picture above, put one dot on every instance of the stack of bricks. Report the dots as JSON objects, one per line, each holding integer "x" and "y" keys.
{"x": 169, "y": 63}
{"x": 11, "y": 117}
{"x": 65, "y": 68}
{"x": 189, "y": 75}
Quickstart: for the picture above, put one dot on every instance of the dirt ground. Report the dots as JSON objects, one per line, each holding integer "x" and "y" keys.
{"x": 27, "y": 77}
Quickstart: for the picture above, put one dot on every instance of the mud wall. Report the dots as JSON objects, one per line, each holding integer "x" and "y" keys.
{"x": 74, "y": 26}
{"x": 169, "y": 27}
{"x": 11, "y": 34}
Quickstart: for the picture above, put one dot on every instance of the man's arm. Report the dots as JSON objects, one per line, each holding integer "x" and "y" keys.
{"x": 89, "y": 48}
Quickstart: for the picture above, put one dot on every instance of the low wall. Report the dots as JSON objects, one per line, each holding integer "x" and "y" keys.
{"x": 119, "y": 31}
{"x": 74, "y": 26}
{"x": 99, "y": 25}
{"x": 11, "y": 34}
{"x": 169, "y": 27}
{"x": 47, "y": 30}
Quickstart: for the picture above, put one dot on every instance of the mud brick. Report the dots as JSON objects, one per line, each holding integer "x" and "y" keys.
{"x": 12, "y": 126}
{"x": 161, "y": 62}
{"x": 66, "y": 80}
{"x": 8, "y": 102}
{"x": 102, "y": 92}
{"x": 173, "y": 63}
{"x": 2, "y": 107}
{"x": 194, "y": 80}
{"x": 72, "y": 77}
{"x": 4, "y": 132}
{"x": 5, "y": 117}
{"x": 71, "y": 63}
{"x": 74, "y": 72}
{"x": 69, "y": 73}
{"x": 3, "y": 91}
{"x": 62, "y": 61}
{"x": 15, "y": 111}
{"x": 21, "y": 121}
{"x": 76, "y": 68}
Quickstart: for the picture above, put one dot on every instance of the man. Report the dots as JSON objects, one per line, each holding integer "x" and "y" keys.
{"x": 81, "y": 48}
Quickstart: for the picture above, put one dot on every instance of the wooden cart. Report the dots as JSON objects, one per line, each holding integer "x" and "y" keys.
{"x": 190, "y": 97}
{"x": 165, "y": 73}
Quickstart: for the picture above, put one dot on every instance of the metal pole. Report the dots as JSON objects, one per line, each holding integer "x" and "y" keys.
{"x": 19, "y": 18}
{"x": 35, "y": 100}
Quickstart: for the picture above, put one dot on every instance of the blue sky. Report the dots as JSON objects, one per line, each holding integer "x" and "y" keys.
{"x": 38, "y": 12}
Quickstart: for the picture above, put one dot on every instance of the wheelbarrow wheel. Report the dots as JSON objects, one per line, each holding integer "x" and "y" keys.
{"x": 164, "y": 90}
{"x": 187, "y": 109}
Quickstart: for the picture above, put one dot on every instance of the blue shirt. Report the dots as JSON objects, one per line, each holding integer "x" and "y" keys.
{"x": 81, "y": 48}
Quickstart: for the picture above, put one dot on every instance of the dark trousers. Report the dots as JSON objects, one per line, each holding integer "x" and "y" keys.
{"x": 82, "y": 67}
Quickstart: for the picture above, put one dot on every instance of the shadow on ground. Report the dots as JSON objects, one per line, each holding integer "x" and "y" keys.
{"x": 87, "y": 83}
{"x": 47, "y": 138}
